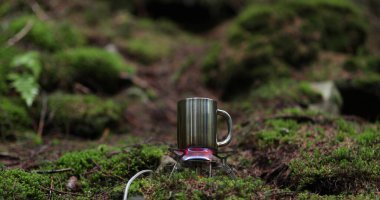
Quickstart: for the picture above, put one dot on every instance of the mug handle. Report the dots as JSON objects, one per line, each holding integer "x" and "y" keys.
{"x": 227, "y": 117}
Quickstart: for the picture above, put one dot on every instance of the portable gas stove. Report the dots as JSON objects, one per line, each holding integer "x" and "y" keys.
{"x": 202, "y": 158}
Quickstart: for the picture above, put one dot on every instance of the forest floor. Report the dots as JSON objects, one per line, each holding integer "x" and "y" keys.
{"x": 284, "y": 150}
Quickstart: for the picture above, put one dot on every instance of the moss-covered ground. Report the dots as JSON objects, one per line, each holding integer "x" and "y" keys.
{"x": 111, "y": 73}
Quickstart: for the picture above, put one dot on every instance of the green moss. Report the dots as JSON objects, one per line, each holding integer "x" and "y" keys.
{"x": 99, "y": 172}
{"x": 363, "y": 64}
{"x": 47, "y": 35}
{"x": 106, "y": 170}
{"x": 236, "y": 35}
{"x": 345, "y": 169}
{"x": 211, "y": 62}
{"x": 13, "y": 116}
{"x": 288, "y": 91}
{"x": 187, "y": 186}
{"x": 83, "y": 115}
{"x": 211, "y": 59}
{"x": 148, "y": 48}
{"x": 368, "y": 137}
{"x": 236, "y": 78}
{"x": 268, "y": 38}
{"x": 313, "y": 196}
{"x": 297, "y": 111}
{"x": 316, "y": 17}
{"x": 18, "y": 184}
{"x": 96, "y": 69}
{"x": 278, "y": 132}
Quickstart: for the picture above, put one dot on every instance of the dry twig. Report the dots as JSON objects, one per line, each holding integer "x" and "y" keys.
{"x": 52, "y": 171}
{"x": 41, "y": 124}
{"x": 21, "y": 34}
{"x": 58, "y": 191}
{"x": 41, "y": 14}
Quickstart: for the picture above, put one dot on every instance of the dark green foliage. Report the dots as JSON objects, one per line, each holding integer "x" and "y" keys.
{"x": 211, "y": 62}
{"x": 94, "y": 68}
{"x": 366, "y": 64}
{"x": 48, "y": 36}
{"x": 6, "y": 55}
{"x": 209, "y": 12}
{"x": 83, "y": 115}
{"x": 268, "y": 38}
{"x": 333, "y": 25}
{"x": 13, "y": 116}
{"x": 18, "y": 184}
{"x": 288, "y": 91}
{"x": 149, "y": 48}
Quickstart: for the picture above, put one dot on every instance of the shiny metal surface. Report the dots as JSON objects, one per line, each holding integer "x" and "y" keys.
{"x": 197, "y": 123}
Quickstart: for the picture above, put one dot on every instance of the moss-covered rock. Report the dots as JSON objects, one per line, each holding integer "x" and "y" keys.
{"x": 266, "y": 39}
{"x": 94, "y": 68}
{"x": 44, "y": 35}
{"x": 317, "y": 21}
{"x": 18, "y": 184}
{"x": 13, "y": 116}
{"x": 148, "y": 49}
{"x": 288, "y": 92}
{"x": 83, "y": 115}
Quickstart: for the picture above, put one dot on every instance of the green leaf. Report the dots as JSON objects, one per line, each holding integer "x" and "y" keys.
{"x": 26, "y": 69}
{"x": 30, "y": 60}
{"x": 27, "y": 86}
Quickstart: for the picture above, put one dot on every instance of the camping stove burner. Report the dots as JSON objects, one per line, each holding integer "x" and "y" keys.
{"x": 199, "y": 158}
{"x": 195, "y": 154}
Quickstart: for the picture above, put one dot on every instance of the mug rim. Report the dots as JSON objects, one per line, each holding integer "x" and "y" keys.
{"x": 196, "y": 98}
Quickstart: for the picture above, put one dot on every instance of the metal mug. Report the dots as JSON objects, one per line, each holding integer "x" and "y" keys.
{"x": 197, "y": 123}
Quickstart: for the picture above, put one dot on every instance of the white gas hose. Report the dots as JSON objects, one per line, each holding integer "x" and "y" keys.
{"x": 132, "y": 179}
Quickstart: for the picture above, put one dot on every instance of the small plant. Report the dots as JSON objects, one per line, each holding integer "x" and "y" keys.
{"x": 26, "y": 69}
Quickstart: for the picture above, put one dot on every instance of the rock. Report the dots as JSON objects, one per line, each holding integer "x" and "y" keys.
{"x": 267, "y": 41}
{"x": 331, "y": 98}
{"x": 165, "y": 162}
{"x": 73, "y": 184}
{"x": 13, "y": 116}
{"x": 44, "y": 35}
{"x": 83, "y": 115}
{"x": 97, "y": 69}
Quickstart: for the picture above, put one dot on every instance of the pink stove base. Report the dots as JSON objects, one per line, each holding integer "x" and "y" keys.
{"x": 196, "y": 153}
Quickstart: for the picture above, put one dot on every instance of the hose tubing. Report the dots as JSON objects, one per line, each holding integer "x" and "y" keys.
{"x": 132, "y": 179}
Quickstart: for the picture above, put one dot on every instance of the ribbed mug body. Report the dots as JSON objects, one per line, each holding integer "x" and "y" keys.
{"x": 196, "y": 123}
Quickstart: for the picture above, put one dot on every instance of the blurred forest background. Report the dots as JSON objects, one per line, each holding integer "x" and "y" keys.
{"x": 90, "y": 87}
